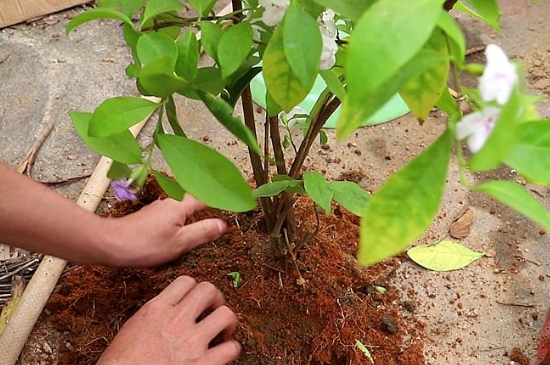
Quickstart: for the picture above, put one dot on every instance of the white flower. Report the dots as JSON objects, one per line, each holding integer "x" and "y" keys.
{"x": 477, "y": 127}
{"x": 326, "y": 23}
{"x": 274, "y": 11}
{"x": 328, "y": 54}
{"x": 499, "y": 77}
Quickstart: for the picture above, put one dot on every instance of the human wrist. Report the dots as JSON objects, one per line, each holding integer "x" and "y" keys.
{"x": 106, "y": 242}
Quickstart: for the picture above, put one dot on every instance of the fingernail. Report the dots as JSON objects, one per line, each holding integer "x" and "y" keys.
{"x": 222, "y": 226}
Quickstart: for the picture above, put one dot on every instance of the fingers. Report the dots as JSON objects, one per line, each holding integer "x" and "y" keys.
{"x": 222, "y": 319}
{"x": 203, "y": 296}
{"x": 176, "y": 291}
{"x": 221, "y": 354}
{"x": 190, "y": 205}
{"x": 184, "y": 209}
{"x": 206, "y": 230}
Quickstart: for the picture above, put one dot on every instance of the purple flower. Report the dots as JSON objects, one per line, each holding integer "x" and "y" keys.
{"x": 122, "y": 190}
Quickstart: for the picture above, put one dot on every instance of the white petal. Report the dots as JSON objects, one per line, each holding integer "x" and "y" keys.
{"x": 274, "y": 11}
{"x": 499, "y": 77}
{"x": 326, "y": 23}
{"x": 469, "y": 125}
{"x": 328, "y": 54}
{"x": 477, "y": 127}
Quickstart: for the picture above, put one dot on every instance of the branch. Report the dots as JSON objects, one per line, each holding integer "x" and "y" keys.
{"x": 328, "y": 106}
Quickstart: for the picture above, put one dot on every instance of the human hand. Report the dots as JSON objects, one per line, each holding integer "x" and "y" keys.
{"x": 165, "y": 330}
{"x": 157, "y": 233}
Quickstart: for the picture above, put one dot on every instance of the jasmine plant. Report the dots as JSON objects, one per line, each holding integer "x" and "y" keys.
{"x": 365, "y": 51}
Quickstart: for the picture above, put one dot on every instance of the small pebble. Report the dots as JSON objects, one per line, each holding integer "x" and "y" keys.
{"x": 46, "y": 348}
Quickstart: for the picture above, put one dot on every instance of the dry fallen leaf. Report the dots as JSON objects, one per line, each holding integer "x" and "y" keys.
{"x": 460, "y": 228}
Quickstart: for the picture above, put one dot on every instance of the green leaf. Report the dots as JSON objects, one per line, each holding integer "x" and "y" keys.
{"x": 172, "y": 114}
{"x": 115, "y": 115}
{"x": 354, "y": 113}
{"x": 423, "y": 91}
{"x": 118, "y": 170}
{"x": 120, "y": 147}
{"x": 273, "y": 108}
{"x": 352, "y": 9}
{"x": 448, "y": 104}
{"x": 157, "y": 79}
{"x": 139, "y": 175}
{"x": 131, "y": 36}
{"x": 364, "y": 350}
{"x": 156, "y": 7}
{"x": 383, "y": 46}
{"x": 403, "y": 208}
{"x": 451, "y": 28}
{"x": 208, "y": 79}
{"x": 274, "y": 188}
{"x": 206, "y": 174}
{"x": 203, "y": 7}
{"x": 502, "y": 138}
{"x": 131, "y": 6}
{"x": 154, "y": 46}
{"x": 187, "y": 61}
{"x": 323, "y": 138}
{"x": 444, "y": 256}
{"x": 486, "y": 10}
{"x": 170, "y": 186}
{"x": 530, "y": 156}
{"x": 211, "y": 34}
{"x": 234, "y": 47}
{"x": 95, "y": 14}
{"x": 282, "y": 83}
{"x": 319, "y": 189}
{"x": 224, "y": 114}
{"x": 297, "y": 189}
{"x": 385, "y": 39}
{"x": 517, "y": 198}
{"x": 302, "y": 44}
{"x": 236, "y": 276}
{"x": 235, "y": 90}
{"x": 351, "y": 196}
{"x": 333, "y": 83}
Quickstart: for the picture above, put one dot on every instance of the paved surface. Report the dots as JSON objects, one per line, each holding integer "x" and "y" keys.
{"x": 471, "y": 316}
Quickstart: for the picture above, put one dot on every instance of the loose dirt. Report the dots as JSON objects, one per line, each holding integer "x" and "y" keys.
{"x": 280, "y": 321}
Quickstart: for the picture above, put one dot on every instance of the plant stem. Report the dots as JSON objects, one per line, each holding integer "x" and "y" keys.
{"x": 277, "y": 145}
{"x": 284, "y": 202}
{"x": 318, "y": 121}
{"x": 260, "y": 177}
{"x": 237, "y": 8}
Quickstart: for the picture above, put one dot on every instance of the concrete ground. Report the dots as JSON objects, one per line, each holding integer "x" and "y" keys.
{"x": 477, "y": 315}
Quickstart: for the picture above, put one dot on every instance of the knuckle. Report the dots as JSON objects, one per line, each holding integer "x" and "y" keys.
{"x": 207, "y": 288}
{"x": 186, "y": 280}
{"x": 227, "y": 314}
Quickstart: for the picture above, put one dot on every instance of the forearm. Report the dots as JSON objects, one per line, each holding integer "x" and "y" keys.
{"x": 38, "y": 219}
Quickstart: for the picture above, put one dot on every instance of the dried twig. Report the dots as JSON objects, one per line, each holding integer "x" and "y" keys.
{"x": 69, "y": 180}
{"x": 516, "y": 304}
{"x": 26, "y": 165}
{"x": 474, "y": 50}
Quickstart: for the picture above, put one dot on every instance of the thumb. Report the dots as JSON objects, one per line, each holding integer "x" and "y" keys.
{"x": 197, "y": 233}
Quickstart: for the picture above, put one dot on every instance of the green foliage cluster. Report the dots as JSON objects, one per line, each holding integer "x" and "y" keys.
{"x": 384, "y": 47}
